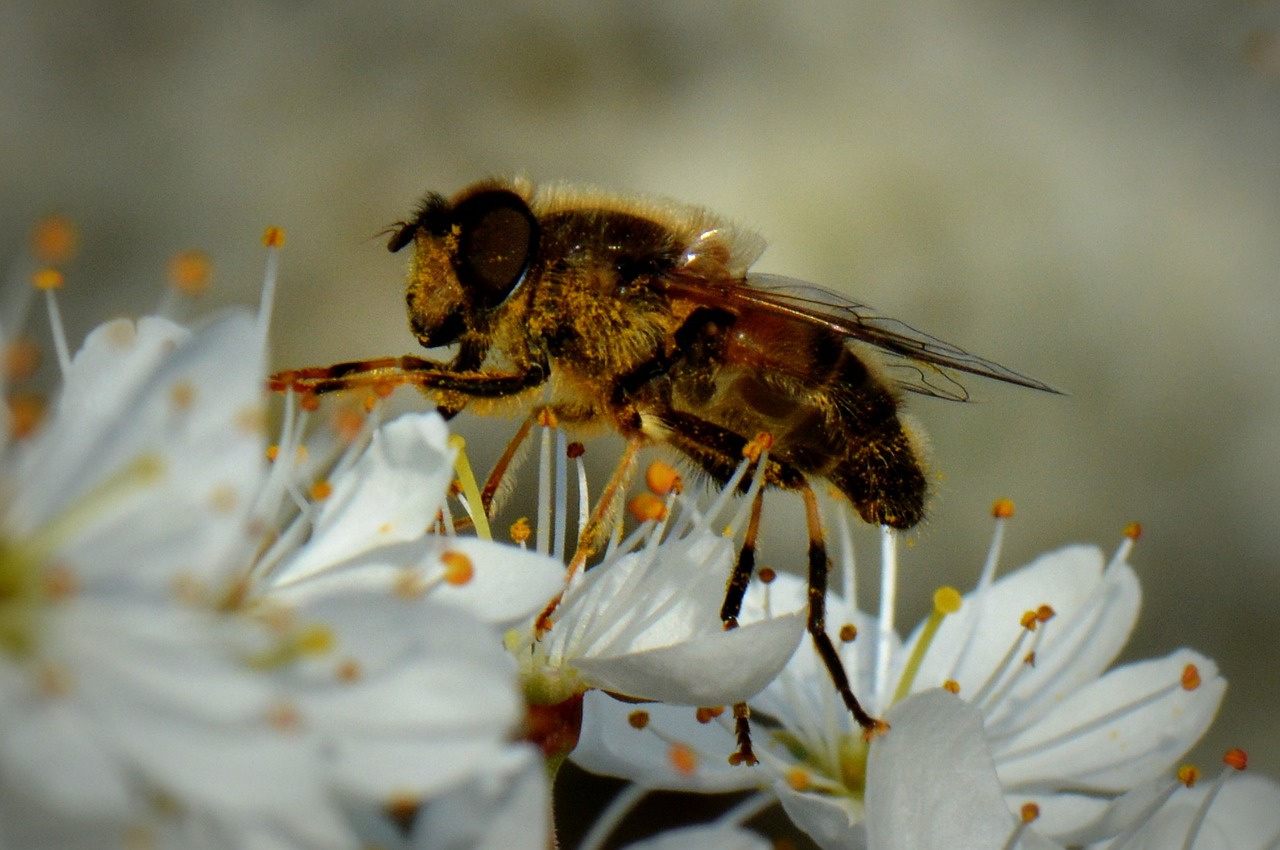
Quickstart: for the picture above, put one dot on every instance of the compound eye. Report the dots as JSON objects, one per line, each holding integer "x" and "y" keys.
{"x": 497, "y": 237}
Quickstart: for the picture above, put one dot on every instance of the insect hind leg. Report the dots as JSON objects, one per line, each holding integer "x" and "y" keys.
{"x": 817, "y": 625}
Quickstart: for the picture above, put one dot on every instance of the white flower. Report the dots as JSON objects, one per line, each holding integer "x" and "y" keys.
{"x": 933, "y": 784}
{"x": 124, "y": 710}
{"x": 1062, "y": 732}
{"x": 371, "y": 534}
{"x": 644, "y": 623}
{"x": 1232, "y": 812}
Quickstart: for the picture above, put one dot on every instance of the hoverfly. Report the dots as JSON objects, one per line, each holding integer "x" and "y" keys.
{"x": 642, "y": 316}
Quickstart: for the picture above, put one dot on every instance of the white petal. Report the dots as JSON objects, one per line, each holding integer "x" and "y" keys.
{"x": 715, "y": 668}
{"x": 707, "y": 837}
{"x": 1080, "y": 745}
{"x": 611, "y": 746}
{"x": 508, "y": 587}
{"x": 191, "y": 411}
{"x": 931, "y": 784}
{"x": 509, "y": 809}
{"x": 827, "y": 820}
{"x": 1095, "y": 613}
{"x": 390, "y": 495}
{"x": 1244, "y": 816}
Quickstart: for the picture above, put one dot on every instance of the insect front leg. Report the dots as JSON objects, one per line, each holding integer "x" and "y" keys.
{"x": 387, "y": 373}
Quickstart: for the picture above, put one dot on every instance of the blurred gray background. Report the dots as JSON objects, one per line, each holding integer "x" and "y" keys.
{"x": 1086, "y": 192}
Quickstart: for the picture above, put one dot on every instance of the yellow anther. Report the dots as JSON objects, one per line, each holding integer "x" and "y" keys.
{"x": 273, "y": 237}
{"x": 646, "y": 506}
{"x": 1188, "y": 774}
{"x": 48, "y": 279}
{"x": 458, "y": 569}
{"x": 1002, "y": 509}
{"x": 662, "y": 478}
{"x": 190, "y": 272}
{"x": 947, "y": 600}
{"x": 683, "y": 759}
{"x": 54, "y": 240}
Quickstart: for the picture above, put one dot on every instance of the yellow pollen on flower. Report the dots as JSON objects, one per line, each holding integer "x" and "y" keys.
{"x": 273, "y": 237}
{"x": 458, "y": 569}
{"x": 706, "y": 715}
{"x": 21, "y": 359}
{"x": 402, "y": 808}
{"x": 60, "y": 582}
{"x": 1190, "y": 677}
{"x": 187, "y": 589}
{"x": 251, "y": 419}
{"x": 348, "y": 671}
{"x": 766, "y": 575}
{"x": 316, "y": 639}
{"x": 408, "y": 584}
{"x": 223, "y": 499}
{"x": 47, "y": 279}
{"x": 848, "y": 633}
{"x": 1236, "y": 758}
{"x": 54, "y": 681}
{"x": 54, "y": 240}
{"x": 190, "y": 272}
{"x": 1002, "y": 509}
{"x": 947, "y": 600}
{"x": 951, "y": 686}
{"x": 1188, "y": 775}
{"x": 26, "y": 412}
{"x": 347, "y": 423}
{"x": 684, "y": 760}
{"x": 520, "y": 531}
{"x": 799, "y": 778}
{"x": 1133, "y": 530}
{"x": 644, "y": 507}
{"x": 284, "y": 717}
{"x": 182, "y": 395}
{"x": 662, "y": 478}
{"x": 1029, "y": 812}
{"x": 321, "y": 490}
{"x": 638, "y": 719}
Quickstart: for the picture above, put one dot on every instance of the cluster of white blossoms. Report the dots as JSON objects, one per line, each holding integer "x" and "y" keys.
{"x": 209, "y": 642}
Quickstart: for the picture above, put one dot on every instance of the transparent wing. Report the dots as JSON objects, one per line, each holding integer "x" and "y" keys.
{"x": 918, "y": 362}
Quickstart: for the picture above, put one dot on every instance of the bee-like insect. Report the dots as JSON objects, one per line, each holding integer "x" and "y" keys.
{"x": 642, "y": 316}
